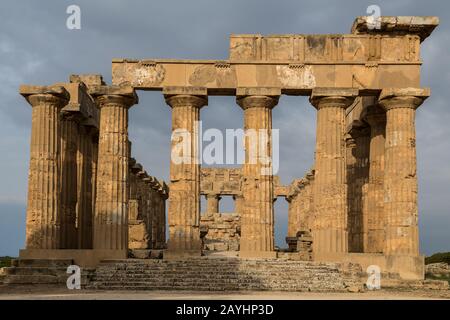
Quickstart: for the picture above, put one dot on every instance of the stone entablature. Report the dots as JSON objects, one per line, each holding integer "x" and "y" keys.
{"x": 296, "y": 63}
{"x": 221, "y": 181}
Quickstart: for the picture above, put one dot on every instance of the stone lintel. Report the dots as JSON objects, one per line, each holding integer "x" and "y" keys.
{"x": 334, "y": 92}
{"x": 421, "y": 26}
{"x": 293, "y": 78}
{"x": 192, "y": 91}
{"x": 258, "y": 91}
{"x": 54, "y": 90}
{"x": 280, "y": 191}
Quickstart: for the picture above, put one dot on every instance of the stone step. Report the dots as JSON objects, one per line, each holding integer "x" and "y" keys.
{"x": 34, "y": 270}
{"x": 43, "y": 263}
{"x": 219, "y": 274}
{"x": 34, "y": 279}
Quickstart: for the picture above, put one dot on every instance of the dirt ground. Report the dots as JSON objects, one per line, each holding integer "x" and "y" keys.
{"x": 34, "y": 293}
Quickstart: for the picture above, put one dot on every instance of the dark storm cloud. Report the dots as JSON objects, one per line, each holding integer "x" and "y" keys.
{"x": 37, "y": 48}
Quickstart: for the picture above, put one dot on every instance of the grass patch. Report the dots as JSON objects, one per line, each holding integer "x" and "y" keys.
{"x": 438, "y": 257}
{"x": 5, "y": 261}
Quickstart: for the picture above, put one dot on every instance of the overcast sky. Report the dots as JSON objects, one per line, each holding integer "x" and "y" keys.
{"x": 37, "y": 48}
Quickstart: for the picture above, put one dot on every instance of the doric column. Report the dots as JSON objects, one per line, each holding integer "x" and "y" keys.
{"x": 69, "y": 147}
{"x": 330, "y": 172}
{"x": 257, "y": 221}
{"x": 43, "y": 207}
{"x": 161, "y": 234}
{"x": 184, "y": 198}
{"x": 400, "y": 178}
{"x": 95, "y": 139}
{"x": 293, "y": 199}
{"x": 310, "y": 218}
{"x": 238, "y": 203}
{"x": 357, "y": 180}
{"x": 111, "y": 212}
{"x": 375, "y": 116}
{"x": 212, "y": 203}
{"x": 85, "y": 162}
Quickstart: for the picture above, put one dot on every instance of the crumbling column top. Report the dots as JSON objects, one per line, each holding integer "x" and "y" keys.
{"x": 421, "y": 26}
{"x": 403, "y": 97}
{"x": 112, "y": 93}
{"x": 52, "y": 92}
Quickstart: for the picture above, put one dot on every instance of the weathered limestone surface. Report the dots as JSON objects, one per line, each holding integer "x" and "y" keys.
{"x": 111, "y": 212}
{"x": 257, "y": 233}
{"x": 43, "y": 207}
{"x": 330, "y": 232}
{"x": 400, "y": 178}
{"x": 184, "y": 197}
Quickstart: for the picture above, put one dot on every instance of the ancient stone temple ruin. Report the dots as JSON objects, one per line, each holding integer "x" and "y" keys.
{"x": 90, "y": 202}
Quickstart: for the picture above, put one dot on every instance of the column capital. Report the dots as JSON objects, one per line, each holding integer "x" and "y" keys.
{"x": 117, "y": 95}
{"x": 333, "y": 97}
{"x": 186, "y": 100}
{"x": 412, "y": 98}
{"x": 186, "y": 96}
{"x": 257, "y": 97}
{"x": 38, "y": 95}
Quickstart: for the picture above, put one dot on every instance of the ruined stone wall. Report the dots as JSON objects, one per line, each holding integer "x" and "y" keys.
{"x": 223, "y": 231}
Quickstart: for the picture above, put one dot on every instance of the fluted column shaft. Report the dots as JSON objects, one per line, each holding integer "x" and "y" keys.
{"x": 257, "y": 220}
{"x": 357, "y": 185}
{"x": 400, "y": 178}
{"x": 85, "y": 187}
{"x": 292, "y": 217}
{"x": 184, "y": 197}
{"x": 238, "y": 203}
{"x": 111, "y": 213}
{"x": 162, "y": 224}
{"x": 330, "y": 199}
{"x": 43, "y": 207}
{"x": 376, "y": 118}
{"x": 69, "y": 184}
